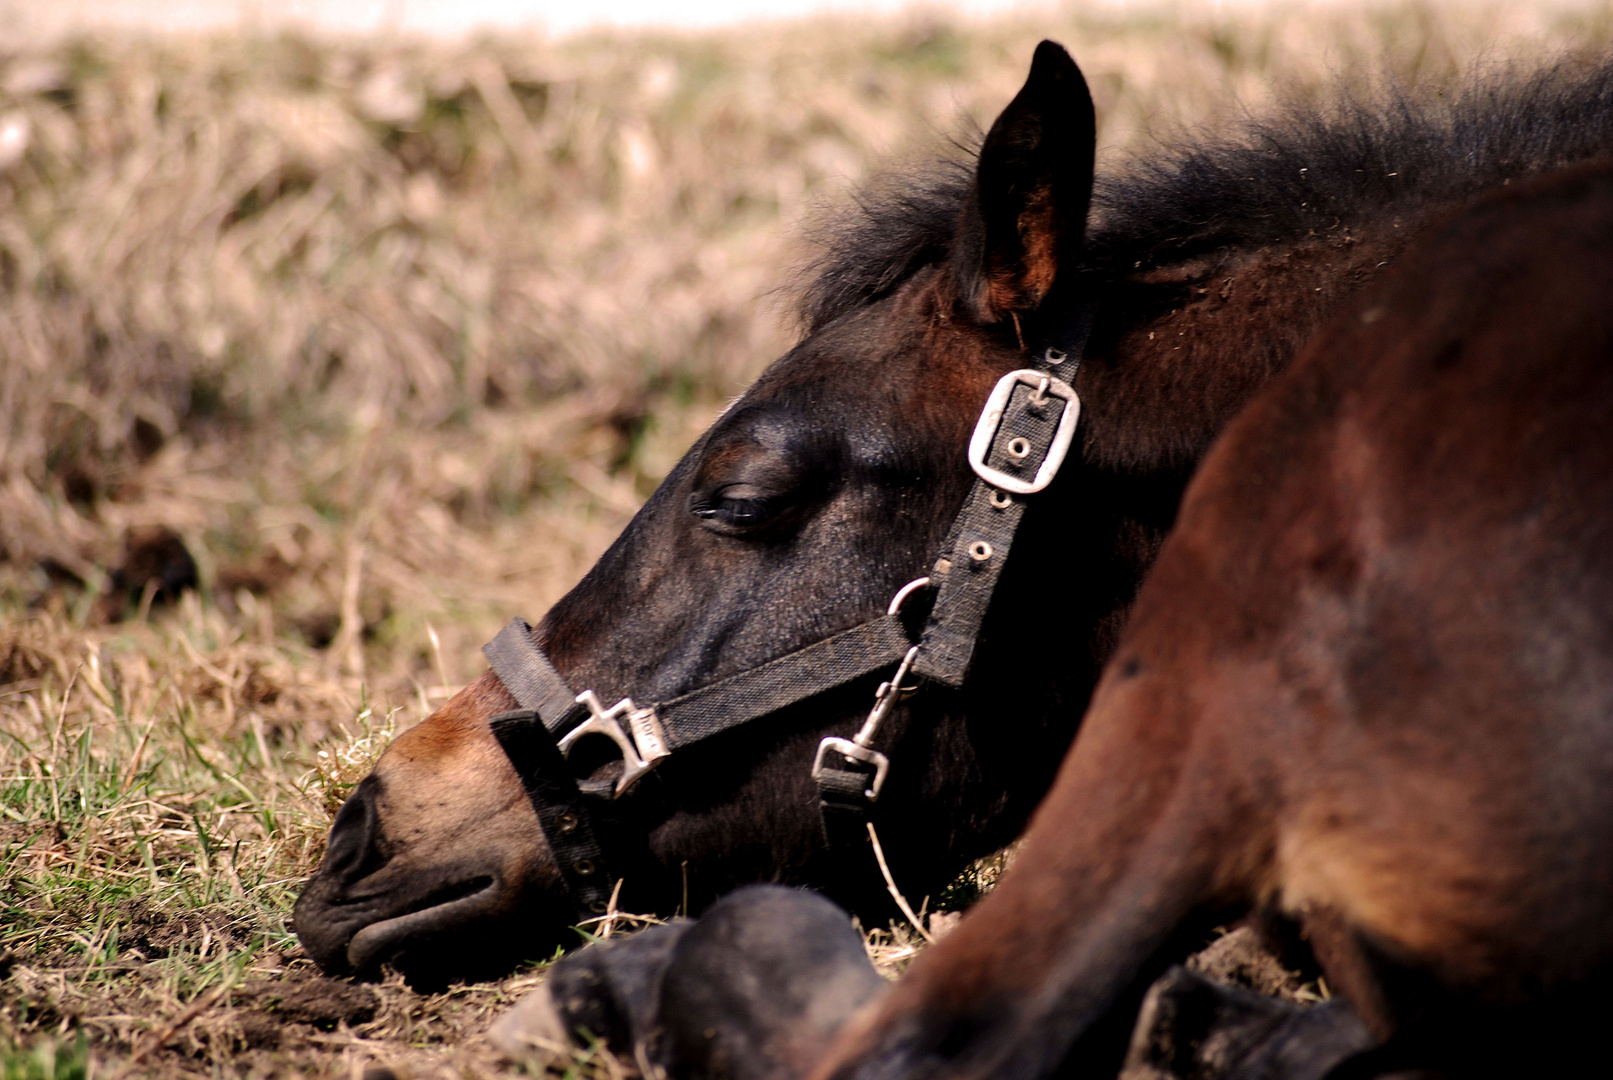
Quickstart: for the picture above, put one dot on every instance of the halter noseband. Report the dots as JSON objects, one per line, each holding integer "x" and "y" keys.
{"x": 1019, "y": 442}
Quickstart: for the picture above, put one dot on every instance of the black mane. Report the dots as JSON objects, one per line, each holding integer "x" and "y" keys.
{"x": 1307, "y": 170}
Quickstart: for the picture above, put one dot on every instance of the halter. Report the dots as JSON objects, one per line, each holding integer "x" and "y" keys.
{"x": 1019, "y": 442}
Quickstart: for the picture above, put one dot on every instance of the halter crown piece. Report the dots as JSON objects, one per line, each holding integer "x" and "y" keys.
{"x": 1019, "y": 442}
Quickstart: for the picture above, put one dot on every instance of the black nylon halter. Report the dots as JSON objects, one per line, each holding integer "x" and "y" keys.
{"x": 1027, "y": 424}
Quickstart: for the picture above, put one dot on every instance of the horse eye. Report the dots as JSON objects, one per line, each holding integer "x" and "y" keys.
{"x": 737, "y": 506}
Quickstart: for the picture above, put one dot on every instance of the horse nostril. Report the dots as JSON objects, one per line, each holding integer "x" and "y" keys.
{"x": 355, "y": 836}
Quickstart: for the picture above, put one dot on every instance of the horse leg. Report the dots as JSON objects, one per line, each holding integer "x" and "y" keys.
{"x": 752, "y": 991}
{"x": 1150, "y": 828}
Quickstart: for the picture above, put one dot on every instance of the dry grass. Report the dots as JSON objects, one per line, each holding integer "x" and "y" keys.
{"x": 396, "y": 335}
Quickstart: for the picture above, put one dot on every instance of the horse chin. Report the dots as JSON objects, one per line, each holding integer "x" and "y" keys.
{"x": 478, "y": 926}
{"x": 391, "y": 939}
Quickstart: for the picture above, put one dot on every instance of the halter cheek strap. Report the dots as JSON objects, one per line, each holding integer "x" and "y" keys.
{"x": 1019, "y": 442}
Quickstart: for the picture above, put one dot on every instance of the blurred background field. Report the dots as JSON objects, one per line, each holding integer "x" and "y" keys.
{"x": 320, "y": 359}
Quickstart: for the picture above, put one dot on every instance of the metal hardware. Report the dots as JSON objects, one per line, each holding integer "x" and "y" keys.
{"x": 884, "y": 698}
{"x": 1040, "y": 396}
{"x": 904, "y": 592}
{"x": 856, "y": 748}
{"x": 991, "y": 418}
{"x": 980, "y": 551}
{"x": 847, "y": 748}
{"x": 1055, "y": 357}
{"x": 907, "y": 661}
{"x": 1001, "y": 500}
{"x": 640, "y": 754}
{"x": 1020, "y": 448}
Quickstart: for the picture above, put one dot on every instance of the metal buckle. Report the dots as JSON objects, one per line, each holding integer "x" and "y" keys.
{"x": 888, "y": 694}
{"x": 847, "y": 748}
{"x": 640, "y": 754}
{"x": 991, "y": 418}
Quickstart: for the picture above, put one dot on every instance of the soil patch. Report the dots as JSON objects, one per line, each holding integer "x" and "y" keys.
{"x": 155, "y": 934}
{"x": 321, "y": 1002}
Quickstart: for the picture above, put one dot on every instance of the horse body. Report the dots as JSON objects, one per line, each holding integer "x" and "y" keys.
{"x": 1367, "y": 686}
{"x": 831, "y": 482}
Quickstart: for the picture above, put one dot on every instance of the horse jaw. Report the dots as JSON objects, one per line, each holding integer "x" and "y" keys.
{"x": 438, "y": 844}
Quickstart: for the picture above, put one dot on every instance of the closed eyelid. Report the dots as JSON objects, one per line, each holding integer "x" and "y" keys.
{"x": 771, "y": 471}
{"x": 764, "y": 477}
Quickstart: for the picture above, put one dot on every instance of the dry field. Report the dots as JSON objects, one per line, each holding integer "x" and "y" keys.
{"x": 393, "y": 337}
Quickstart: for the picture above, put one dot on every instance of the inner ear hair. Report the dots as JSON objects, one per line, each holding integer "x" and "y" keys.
{"x": 1033, "y": 187}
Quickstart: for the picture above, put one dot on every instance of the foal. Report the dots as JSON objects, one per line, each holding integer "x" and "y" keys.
{"x": 1368, "y": 688}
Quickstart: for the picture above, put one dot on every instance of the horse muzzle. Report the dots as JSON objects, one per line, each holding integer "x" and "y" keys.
{"x": 382, "y": 940}
{"x": 373, "y": 902}
{"x": 421, "y": 927}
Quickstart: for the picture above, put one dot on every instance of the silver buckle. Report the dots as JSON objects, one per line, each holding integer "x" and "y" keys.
{"x": 640, "y": 754}
{"x": 991, "y": 418}
{"x": 847, "y": 748}
{"x": 888, "y": 694}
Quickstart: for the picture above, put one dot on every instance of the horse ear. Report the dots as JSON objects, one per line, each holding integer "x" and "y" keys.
{"x": 1033, "y": 185}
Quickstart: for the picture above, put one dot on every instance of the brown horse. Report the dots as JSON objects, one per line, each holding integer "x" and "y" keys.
{"x": 834, "y": 479}
{"x": 1368, "y": 686}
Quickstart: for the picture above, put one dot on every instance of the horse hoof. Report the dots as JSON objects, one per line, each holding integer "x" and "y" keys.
{"x": 1194, "y": 1028}
{"x": 607, "y": 992}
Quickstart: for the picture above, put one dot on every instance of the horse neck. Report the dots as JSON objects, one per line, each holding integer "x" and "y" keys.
{"x": 1176, "y": 353}
{"x": 1185, "y": 346}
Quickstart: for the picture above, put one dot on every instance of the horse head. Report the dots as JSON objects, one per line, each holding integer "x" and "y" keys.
{"x": 828, "y": 485}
